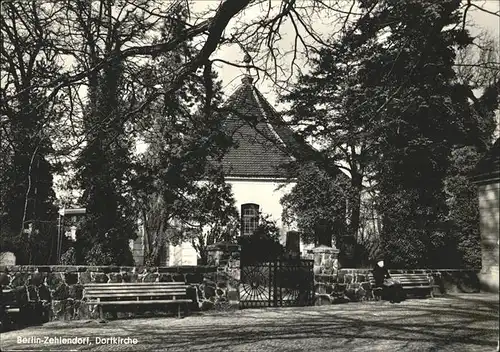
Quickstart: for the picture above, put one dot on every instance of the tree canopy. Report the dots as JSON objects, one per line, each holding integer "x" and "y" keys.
{"x": 385, "y": 100}
{"x": 82, "y": 81}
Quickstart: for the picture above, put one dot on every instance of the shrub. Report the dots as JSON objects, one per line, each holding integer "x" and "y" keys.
{"x": 69, "y": 257}
{"x": 263, "y": 245}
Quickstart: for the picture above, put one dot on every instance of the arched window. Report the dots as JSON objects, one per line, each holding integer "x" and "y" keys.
{"x": 249, "y": 218}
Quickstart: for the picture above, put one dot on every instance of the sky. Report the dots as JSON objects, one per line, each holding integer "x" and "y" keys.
{"x": 231, "y": 76}
{"x": 479, "y": 21}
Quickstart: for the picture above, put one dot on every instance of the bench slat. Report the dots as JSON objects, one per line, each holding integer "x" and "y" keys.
{"x": 135, "y": 284}
{"x": 132, "y": 290}
{"x": 417, "y": 280}
{"x": 409, "y": 278}
{"x": 416, "y": 286}
{"x": 413, "y": 282}
{"x": 138, "y": 284}
{"x": 136, "y": 289}
{"x": 118, "y": 289}
{"x": 166, "y": 283}
{"x": 103, "y": 303}
{"x": 135, "y": 294}
{"x": 154, "y": 284}
{"x": 106, "y": 289}
{"x": 409, "y": 282}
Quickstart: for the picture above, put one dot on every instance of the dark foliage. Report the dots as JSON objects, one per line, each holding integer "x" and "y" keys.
{"x": 318, "y": 202}
{"x": 384, "y": 99}
{"x": 27, "y": 212}
{"x": 263, "y": 245}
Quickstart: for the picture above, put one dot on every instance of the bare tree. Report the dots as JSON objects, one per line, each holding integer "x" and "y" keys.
{"x": 478, "y": 64}
{"x": 216, "y": 27}
{"x": 26, "y": 65}
{"x": 92, "y": 40}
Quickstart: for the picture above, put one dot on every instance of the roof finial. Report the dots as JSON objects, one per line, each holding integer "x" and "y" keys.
{"x": 247, "y": 59}
{"x": 248, "y": 77}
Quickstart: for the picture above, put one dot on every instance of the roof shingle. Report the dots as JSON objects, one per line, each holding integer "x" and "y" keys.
{"x": 262, "y": 140}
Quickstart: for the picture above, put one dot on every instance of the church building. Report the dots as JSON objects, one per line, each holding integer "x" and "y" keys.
{"x": 254, "y": 166}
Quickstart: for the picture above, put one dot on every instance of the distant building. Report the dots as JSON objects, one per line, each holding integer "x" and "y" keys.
{"x": 254, "y": 167}
{"x": 487, "y": 177}
{"x": 7, "y": 258}
{"x": 67, "y": 225}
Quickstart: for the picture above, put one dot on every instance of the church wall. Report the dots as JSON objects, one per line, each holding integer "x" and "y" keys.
{"x": 137, "y": 248}
{"x": 182, "y": 254}
{"x": 267, "y": 194}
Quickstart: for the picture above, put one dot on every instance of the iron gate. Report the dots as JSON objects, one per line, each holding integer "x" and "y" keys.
{"x": 281, "y": 283}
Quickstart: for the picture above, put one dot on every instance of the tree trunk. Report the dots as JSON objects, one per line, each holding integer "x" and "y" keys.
{"x": 357, "y": 186}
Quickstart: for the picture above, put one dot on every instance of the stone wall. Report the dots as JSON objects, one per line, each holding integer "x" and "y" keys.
{"x": 62, "y": 286}
{"x": 353, "y": 284}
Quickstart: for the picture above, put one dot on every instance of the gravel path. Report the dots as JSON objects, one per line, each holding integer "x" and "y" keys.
{"x": 467, "y": 322}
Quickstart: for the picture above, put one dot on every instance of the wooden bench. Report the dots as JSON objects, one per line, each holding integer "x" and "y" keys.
{"x": 416, "y": 282}
{"x": 136, "y": 294}
{"x": 8, "y": 307}
{"x": 9, "y": 302}
{"x": 412, "y": 282}
{"x": 22, "y": 306}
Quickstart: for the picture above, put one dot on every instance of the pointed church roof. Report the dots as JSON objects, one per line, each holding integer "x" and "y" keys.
{"x": 263, "y": 141}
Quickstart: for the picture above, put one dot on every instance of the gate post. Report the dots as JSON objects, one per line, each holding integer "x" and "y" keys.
{"x": 226, "y": 256}
{"x": 325, "y": 270}
{"x": 325, "y": 260}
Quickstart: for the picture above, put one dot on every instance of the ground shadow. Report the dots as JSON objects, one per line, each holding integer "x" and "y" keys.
{"x": 435, "y": 325}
